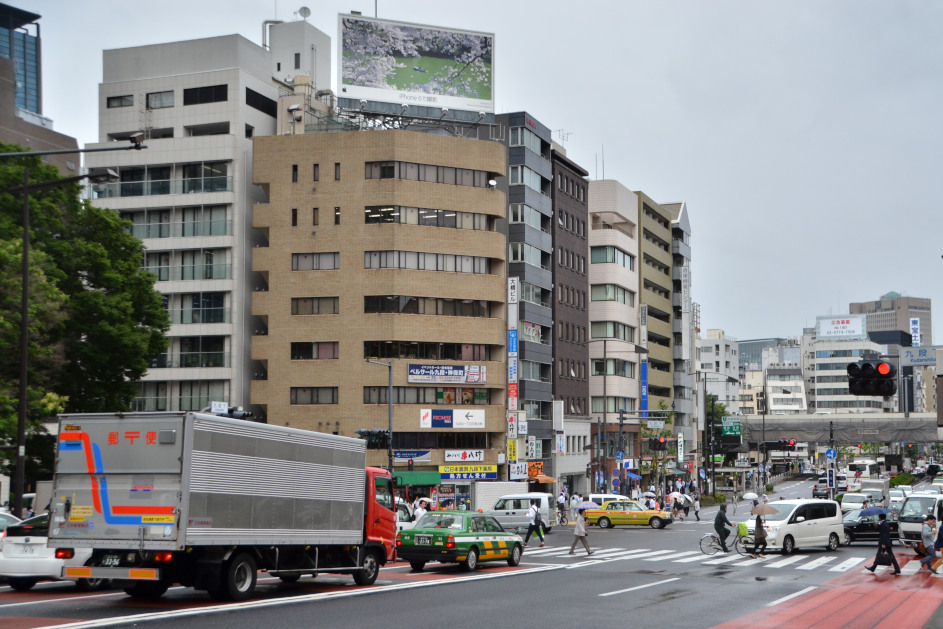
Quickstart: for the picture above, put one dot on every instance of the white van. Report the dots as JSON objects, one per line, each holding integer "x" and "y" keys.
{"x": 802, "y": 523}
{"x": 917, "y": 506}
{"x": 602, "y": 499}
{"x": 511, "y": 511}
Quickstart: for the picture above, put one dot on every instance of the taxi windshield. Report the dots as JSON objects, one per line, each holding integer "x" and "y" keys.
{"x": 441, "y": 521}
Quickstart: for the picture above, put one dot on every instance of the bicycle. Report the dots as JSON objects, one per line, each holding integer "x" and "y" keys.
{"x": 562, "y": 520}
{"x": 710, "y": 544}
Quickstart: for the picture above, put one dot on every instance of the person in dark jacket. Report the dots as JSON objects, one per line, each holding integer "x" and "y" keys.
{"x": 722, "y": 532}
{"x": 884, "y": 544}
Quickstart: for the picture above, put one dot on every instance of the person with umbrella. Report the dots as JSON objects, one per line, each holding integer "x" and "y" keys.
{"x": 884, "y": 539}
{"x": 759, "y": 532}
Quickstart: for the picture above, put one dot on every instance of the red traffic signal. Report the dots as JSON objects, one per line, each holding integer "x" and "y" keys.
{"x": 792, "y": 443}
{"x": 409, "y": 464}
{"x": 872, "y": 378}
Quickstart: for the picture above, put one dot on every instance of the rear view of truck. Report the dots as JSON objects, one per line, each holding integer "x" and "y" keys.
{"x": 206, "y": 501}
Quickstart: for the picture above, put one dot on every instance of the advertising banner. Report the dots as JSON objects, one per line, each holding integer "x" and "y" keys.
{"x": 446, "y": 374}
{"x": 512, "y": 450}
{"x": 447, "y": 418}
{"x": 915, "y": 332}
{"x": 517, "y": 470}
{"x": 402, "y": 456}
{"x": 844, "y": 326}
{"x": 469, "y": 472}
{"x": 461, "y": 456}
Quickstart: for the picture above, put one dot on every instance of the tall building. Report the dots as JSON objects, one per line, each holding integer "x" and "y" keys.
{"x": 683, "y": 325}
{"x": 21, "y": 119}
{"x": 719, "y": 367}
{"x": 893, "y": 312}
{"x": 382, "y": 259}
{"x": 615, "y": 349}
{"x": 200, "y": 104}
{"x": 570, "y": 229}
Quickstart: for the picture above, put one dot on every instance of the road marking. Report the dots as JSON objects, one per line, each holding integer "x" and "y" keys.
{"x": 786, "y": 562}
{"x": 690, "y": 559}
{"x": 815, "y": 563}
{"x": 848, "y": 564}
{"x": 65, "y": 598}
{"x": 639, "y": 587}
{"x": 726, "y": 559}
{"x": 911, "y": 568}
{"x": 791, "y": 596}
{"x": 690, "y": 552}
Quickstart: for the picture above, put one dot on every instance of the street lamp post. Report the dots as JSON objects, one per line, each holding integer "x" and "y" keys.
{"x": 98, "y": 176}
{"x": 389, "y": 399}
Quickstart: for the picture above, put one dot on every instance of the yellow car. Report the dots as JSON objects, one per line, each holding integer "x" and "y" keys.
{"x": 627, "y": 512}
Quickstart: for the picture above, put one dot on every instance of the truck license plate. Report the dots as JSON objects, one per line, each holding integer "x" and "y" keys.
{"x": 423, "y": 540}
{"x": 111, "y": 560}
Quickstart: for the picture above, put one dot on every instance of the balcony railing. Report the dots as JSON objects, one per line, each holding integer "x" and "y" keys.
{"x": 160, "y": 187}
{"x": 191, "y": 359}
{"x": 202, "y": 315}
{"x": 191, "y": 272}
{"x": 182, "y": 230}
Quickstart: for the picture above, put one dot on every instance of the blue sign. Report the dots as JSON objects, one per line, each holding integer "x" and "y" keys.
{"x": 469, "y": 476}
{"x": 619, "y": 456}
{"x": 411, "y": 454}
{"x": 831, "y": 454}
{"x": 615, "y": 482}
{"x": 643, "y": 402}
{"x": 702, "y": 473}
{"x": 512, "y": 341}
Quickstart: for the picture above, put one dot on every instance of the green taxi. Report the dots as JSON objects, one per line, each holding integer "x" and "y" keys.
{"x": 463, "y": 537}
{"x": 616, "y": 512}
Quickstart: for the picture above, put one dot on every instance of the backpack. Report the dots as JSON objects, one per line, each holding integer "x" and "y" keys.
{"x": 742, "y": 530}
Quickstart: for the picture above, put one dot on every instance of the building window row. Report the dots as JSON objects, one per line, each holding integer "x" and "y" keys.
{"x": 427, "y": 395}
{"x": 571, "y": 296}
{"x": 612, "y": 292}
{"x": 442, "y": 440}
{"x": 407, "y": 304}
{"x": 179, "y": 222}
{"x": 612, "y": 330}
{"x": 571, "y": 223}
{"x": 612, "y": 255}
{"x": 199, "y": 308}
{"x": 327, "y": 350}
{"x": 418, "y": 260}
{"x": 571, "y": 332}
{"x": 612, "y": 404}
{"x": 661, "y": 291}
{"x": 425, "y": 216}
{"x": 613, "y": 367}
{"x": 429, "y": 351}
{"x": 572, "y": 187}
{"x": 575, "y": 405}
{"x": 534, "y": 294}
{"x": 160, "y": 100}
{"x": 571, "y": 369}
{"x": 427, "y": 172}
{"x": 195, "y": 395}
{"x": 522, "y": 136}
{"x": 526, "y": 176}
{"x": 571, "y": 260}
{"x": 315, "y": 261}
{"x": 204, "y": 95}
{"x": 314, "y": 305}
{"x": 313, "y": 395}
{"x": 655, "y": 216}
{"x": 139, "y": 181}
{"x": 528, "y": 254}
{"x": 126, "y": 100}
{"x": 523, "y": 214}
{"x": 188, "y": 265}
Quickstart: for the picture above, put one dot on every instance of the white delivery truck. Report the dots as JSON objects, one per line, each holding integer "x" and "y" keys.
{"x": 880, "y": 490}
{"x": 207, "y": 501}
{"x": 486, "y": 493}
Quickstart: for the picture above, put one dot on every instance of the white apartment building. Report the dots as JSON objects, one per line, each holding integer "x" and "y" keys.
{"x": 189, "y": 194}
{"x": 719, "y": 368}
{"x": 829, "y": 362}
{"x": 682, "y": 324}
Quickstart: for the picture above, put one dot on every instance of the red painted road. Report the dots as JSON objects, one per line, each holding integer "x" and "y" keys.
{"x": 855, "y": 600}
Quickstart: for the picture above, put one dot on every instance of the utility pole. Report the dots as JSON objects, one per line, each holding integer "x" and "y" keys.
{"x": 713, "y": 485}
{"x": 622, "y": 451}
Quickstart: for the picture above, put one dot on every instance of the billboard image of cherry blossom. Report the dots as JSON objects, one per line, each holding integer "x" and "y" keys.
{"x": 397, "y": 62}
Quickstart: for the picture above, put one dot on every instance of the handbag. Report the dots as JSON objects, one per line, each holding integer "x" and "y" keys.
{"x": 883, "y": 558}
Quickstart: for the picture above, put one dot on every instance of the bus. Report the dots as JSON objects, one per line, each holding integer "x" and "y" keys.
{"x": 868, "y": 469}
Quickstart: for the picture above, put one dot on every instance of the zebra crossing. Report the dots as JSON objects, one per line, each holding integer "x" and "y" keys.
{"x": 829, "y": 563}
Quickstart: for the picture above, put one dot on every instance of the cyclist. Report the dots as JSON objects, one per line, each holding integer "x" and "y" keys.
{"x": 722, "y": 532}
{"x": 561, "y": 505}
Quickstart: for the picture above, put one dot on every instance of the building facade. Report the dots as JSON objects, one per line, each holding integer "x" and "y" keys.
{"x": 893, "y": 312}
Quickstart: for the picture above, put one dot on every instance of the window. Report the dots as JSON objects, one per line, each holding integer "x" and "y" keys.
{"x": 314, "y": 351}
{"x": 612, "y": 255}
{"x": 612, "y": 292}
{"x": 120, "y": 101}
{"x": 317, "y": 172}
{"x": 160, "y": 100}
{"x": 297, "y": 61}
{"x": 520, "y": 136}
{"x": 337, "y": 171}
{"x": 294, "y": 217}
{"x": 337, "y": 216}
{"x": 315, "y": 261}
{"x": 262, "y": 103}
{"x": 313, "y": 395}
{"x": 612, "y": 329}
{"x": 406, "y": 304}
{"x": 526, "y": 176}
{"x": 203, "y": 95}
{"x": 422, "y": 261}
{"x": 294, "y": 173}
{"x": 314, "y": 216}
{"x": 523, "y": 252}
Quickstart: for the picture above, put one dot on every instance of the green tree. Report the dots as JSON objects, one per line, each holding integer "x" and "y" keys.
{"x": 95, "y": 319}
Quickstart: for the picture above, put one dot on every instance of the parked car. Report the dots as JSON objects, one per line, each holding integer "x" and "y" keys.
{"x": 865, "y": 529}
{"x": 462, "y": 537}
{"x": 25, "y": 559}
{"x": 820, "y": 490}
{"x": 627, "y": 512}
{"x": 512, "y": 510}
{"x": 802, "y": 523}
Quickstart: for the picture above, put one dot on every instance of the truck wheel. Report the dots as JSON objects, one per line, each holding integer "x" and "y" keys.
{"x": 369, "y": 571}
{"x": 471, "y": 561}
{"x": 89, "y": 585}
{"x": 147, "y": 590}
{"x": 417, "y": 566}
{"x": 239, "y": 578}
{"x": 20, "y": 584}
{"x": 514, "y": 558}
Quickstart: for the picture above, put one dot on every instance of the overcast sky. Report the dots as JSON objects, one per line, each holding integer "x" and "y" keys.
{"x": 805, "y": 137}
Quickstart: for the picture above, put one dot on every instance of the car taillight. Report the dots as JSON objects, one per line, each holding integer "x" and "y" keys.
{"x": 399, "y": 539}
{"x": 65, "y": 553}
{"x": 450, "y": 542}
{"x": 163, "y": 557}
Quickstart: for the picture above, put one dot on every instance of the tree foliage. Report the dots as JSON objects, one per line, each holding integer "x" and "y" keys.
{"x": 95, "y": 319}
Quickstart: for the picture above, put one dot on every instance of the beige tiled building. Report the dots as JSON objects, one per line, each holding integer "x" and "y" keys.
{"x": 382, "y": 245}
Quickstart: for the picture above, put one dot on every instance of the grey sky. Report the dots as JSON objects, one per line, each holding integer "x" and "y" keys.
{"x": 805, "y": 137}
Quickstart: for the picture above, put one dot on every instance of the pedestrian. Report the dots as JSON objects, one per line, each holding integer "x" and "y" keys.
{"x": 534, "y": 523}
{"x": 926, "y": 536}
{"x": 759, "y": 539}
{"x": 651, "y": 487}
{"x": 764, "y": 499}
{"x": 579, "y": 533}
{"x": 561, "y": 501}
{"x": 884, "y": 545}
{"x": 420, "y": 509}
{"x": 697, "y": 508}
{"x": 719, "y": 521}
{"x": 687, "y": 508}
{"x": 574, "y": 500}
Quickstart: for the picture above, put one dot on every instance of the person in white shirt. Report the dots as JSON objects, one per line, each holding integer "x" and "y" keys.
{"x": 561, "y": 501}
{"x": 534, "y": 523}
{"x": 575, "y": 500}
{"x": 420, "y": 511}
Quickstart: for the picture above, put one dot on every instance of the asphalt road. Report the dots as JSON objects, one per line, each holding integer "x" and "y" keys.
{"x": 637, "y": 576}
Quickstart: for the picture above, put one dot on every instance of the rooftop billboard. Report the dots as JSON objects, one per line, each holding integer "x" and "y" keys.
{"x": 412, "y": 64}
{"x": 844, "y": 327}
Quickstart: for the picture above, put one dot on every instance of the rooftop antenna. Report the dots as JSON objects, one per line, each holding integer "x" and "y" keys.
{"x": 304, "y": 12}
{"x": 564, "y": 135}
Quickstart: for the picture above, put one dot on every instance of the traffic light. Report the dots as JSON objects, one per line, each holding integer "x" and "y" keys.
{"x": 791, "y": 444}
{"x": 662, "y": 443}
{"x": 783, "y": 444}
{"x": 872, "y": 378}
{"x": 652, "y": 444}
{"x": 376, "y": 438}
{"x": 409, "y": 464}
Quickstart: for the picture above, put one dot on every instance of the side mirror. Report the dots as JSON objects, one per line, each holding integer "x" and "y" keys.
{"x": 800, "y": 519}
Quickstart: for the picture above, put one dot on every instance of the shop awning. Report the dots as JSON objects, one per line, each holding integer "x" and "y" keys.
{"x": 633, "y": 476}
{"x": 421, "y": 479}
{"x": 542, "y": 478}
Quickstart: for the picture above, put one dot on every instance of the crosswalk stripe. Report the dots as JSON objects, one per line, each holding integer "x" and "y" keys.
{"x": 690, "y": 552}
{"x": 696, "y": 557}
{"x": 812, "y": 565}
{"x": 911, "y": 568}
{"x": 848, "y": 564}
{"x": 786, "y": 561}
{"x": 726, "y": 559}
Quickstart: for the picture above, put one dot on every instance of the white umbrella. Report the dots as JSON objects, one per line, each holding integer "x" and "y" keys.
{"x": 750, "y": 496}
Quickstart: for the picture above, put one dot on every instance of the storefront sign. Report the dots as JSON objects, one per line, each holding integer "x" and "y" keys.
{"x": 464, "y": 455}
{"x": 446, "y": 374}
{"x": 469, "y": 472}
